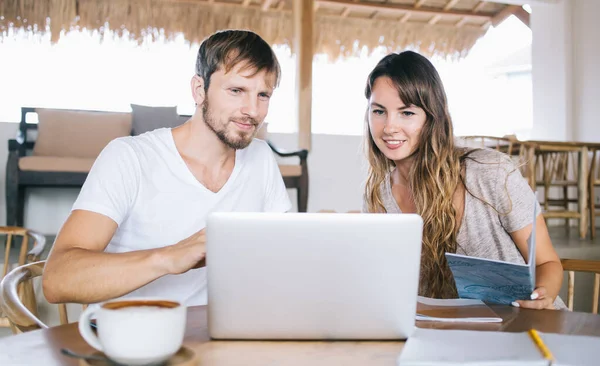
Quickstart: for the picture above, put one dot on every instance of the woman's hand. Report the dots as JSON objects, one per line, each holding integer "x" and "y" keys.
{"x": 539, "y": 300}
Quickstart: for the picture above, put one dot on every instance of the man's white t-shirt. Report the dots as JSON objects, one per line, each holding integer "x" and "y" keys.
{"x": 144, "y": 185}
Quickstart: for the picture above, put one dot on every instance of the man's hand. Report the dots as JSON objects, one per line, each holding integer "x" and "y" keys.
{"x": 190, "y": 253}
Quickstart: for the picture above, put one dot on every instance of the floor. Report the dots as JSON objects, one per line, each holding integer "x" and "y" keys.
{"x": 566, "y": 242}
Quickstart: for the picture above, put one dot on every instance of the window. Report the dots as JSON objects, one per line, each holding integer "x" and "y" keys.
{"x": 88, "y": 71}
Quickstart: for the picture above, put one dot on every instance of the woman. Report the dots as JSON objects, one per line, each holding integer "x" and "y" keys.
{"x": 473, "y": 202}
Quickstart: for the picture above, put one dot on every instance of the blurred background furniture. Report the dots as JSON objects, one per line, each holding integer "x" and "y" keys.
{"x": 22, "y": 247}
{"x": 60, "y": 148}
{"x": 21, "y": 311}
{"x": 576, "y": 265}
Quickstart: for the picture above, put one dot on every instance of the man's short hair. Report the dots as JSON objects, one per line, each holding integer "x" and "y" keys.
{"x": 228, "y": 48}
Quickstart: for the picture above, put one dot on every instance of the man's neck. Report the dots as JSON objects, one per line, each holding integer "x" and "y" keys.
{"x": 197, "y": 143}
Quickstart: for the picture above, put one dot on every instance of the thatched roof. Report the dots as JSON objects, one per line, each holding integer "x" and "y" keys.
{"x": 445, "y": 27}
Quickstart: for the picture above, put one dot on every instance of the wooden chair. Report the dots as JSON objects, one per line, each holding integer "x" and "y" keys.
{"x": 295, "y": 176}
{"x": 21, "y": 313}
{"x": 577, "y": 265}
{"x": 31, "y": 246}
{"x": 558, "y": 169}
{"x": 593, "y": 182}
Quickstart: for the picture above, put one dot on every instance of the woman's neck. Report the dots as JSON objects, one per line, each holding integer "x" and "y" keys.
{"x": 402, "y": 171}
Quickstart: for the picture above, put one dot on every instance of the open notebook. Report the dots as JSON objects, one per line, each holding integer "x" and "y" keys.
{"x": 455, "y": 311}
{"x": 433, "y": 347}
{"x": 495, "y": 281}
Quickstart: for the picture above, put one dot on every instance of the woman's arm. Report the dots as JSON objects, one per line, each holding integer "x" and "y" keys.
{"x": 549, "y": 271}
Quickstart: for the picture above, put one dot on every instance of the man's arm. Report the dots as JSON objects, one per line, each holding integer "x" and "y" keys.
{"x": 78, "y": 270}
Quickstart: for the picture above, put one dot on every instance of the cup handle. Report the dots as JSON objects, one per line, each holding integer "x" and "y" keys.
{"x": 86, "y": 330}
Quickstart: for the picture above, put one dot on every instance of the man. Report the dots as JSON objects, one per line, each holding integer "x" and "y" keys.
{"x": 137, "y": 227}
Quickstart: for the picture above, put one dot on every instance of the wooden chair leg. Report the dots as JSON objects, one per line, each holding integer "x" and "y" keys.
{"x": 566, "y": 204}
{"x": 62, "y": 314}
{"x": 571, "y": 290}
{"x": 592, "y": 208}
{"x": 14, "y": 329}
{"x": 29, "y": 298}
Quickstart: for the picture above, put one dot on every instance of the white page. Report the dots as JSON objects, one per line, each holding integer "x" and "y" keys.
{"x": 571, "y": 350}
{"x": 431, "y": 347}
{"x": 458, "y": 320}
{"x": 448, "y": 302}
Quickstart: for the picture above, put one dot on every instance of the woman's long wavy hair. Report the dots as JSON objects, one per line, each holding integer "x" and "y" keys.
{"x": 435, "y": 173}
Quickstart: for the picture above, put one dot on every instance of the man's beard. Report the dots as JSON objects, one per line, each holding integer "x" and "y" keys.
{"x": 241, "y": 142}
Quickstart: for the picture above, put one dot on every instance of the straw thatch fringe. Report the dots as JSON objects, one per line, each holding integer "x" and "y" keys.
{"x": 334, "y": 36}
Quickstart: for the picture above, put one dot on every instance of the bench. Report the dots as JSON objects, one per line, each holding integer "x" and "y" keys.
{"x": 64, "y": 155}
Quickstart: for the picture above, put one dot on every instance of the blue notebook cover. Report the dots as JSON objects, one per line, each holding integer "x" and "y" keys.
{"x": 493, "y": 281}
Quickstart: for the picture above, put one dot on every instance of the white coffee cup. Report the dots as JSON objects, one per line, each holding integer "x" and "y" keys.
{"x": 136, "y": 331}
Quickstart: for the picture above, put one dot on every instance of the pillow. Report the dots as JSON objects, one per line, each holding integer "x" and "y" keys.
{"x": 147, "y": 118}
{"x": 78, "y": 134}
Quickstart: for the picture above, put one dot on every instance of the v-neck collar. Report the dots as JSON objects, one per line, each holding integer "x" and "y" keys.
{"x": 189, "y": 176}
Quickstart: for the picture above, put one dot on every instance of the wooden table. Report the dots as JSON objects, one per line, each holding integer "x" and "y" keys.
{"x": 43, "y": 346}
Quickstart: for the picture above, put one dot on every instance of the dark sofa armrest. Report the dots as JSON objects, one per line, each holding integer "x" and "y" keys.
{"x": 15, "y": 148}
{"x": 13, "y": 145}
{"x": 302, "y": 153}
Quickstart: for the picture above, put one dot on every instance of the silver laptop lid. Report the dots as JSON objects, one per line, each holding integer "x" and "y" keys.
{"x": 312, "y": 276}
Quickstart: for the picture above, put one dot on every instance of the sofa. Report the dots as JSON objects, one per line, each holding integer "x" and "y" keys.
{"x": 60, "y": 148}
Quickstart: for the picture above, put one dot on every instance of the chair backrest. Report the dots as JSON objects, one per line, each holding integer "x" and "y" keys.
{"x": 577, "y": 265}
{"x": 30, "y": 246}
{"x": 17, "y": 299}
{"x": 504, "y": 144}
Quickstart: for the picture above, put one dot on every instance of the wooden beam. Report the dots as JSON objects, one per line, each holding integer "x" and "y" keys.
{"x": 461, "y": 22}
{"x": 246, "y": 3}
{"x": 372, "y": 16}
{"x": 451, "y": 4}
{"x": 504, "y": 13}
{"x": 475, "y": 9}
{"x": 479, "y": 6}
{"x": 523, "y": 16}
{"x": 405, "y": 17}
{"x": 303, "y": 21}
{"x": 419, "y": 3}
{"x": 434, "y": 19}
{"x": 394, "y": 7}
{"x": 345, "y": 12}
{"x": 266, "y": 5}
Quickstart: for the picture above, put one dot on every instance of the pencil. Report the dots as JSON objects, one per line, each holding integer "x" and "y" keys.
{"x": 540, "y": 344}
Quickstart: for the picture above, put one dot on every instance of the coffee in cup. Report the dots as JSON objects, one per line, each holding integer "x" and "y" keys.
{"x": 136, "y": 331}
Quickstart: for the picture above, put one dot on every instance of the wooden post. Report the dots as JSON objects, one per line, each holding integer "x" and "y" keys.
{"x": 303, "y": 20}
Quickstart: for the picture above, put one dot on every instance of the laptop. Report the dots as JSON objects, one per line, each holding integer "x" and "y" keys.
{"x": 319, "y": 276}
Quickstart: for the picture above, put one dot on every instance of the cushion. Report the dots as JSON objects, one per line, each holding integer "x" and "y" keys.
{"x": 55, "y": 164}
{"x": 145, "y": 118}
{"x": 78, "y": 134}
